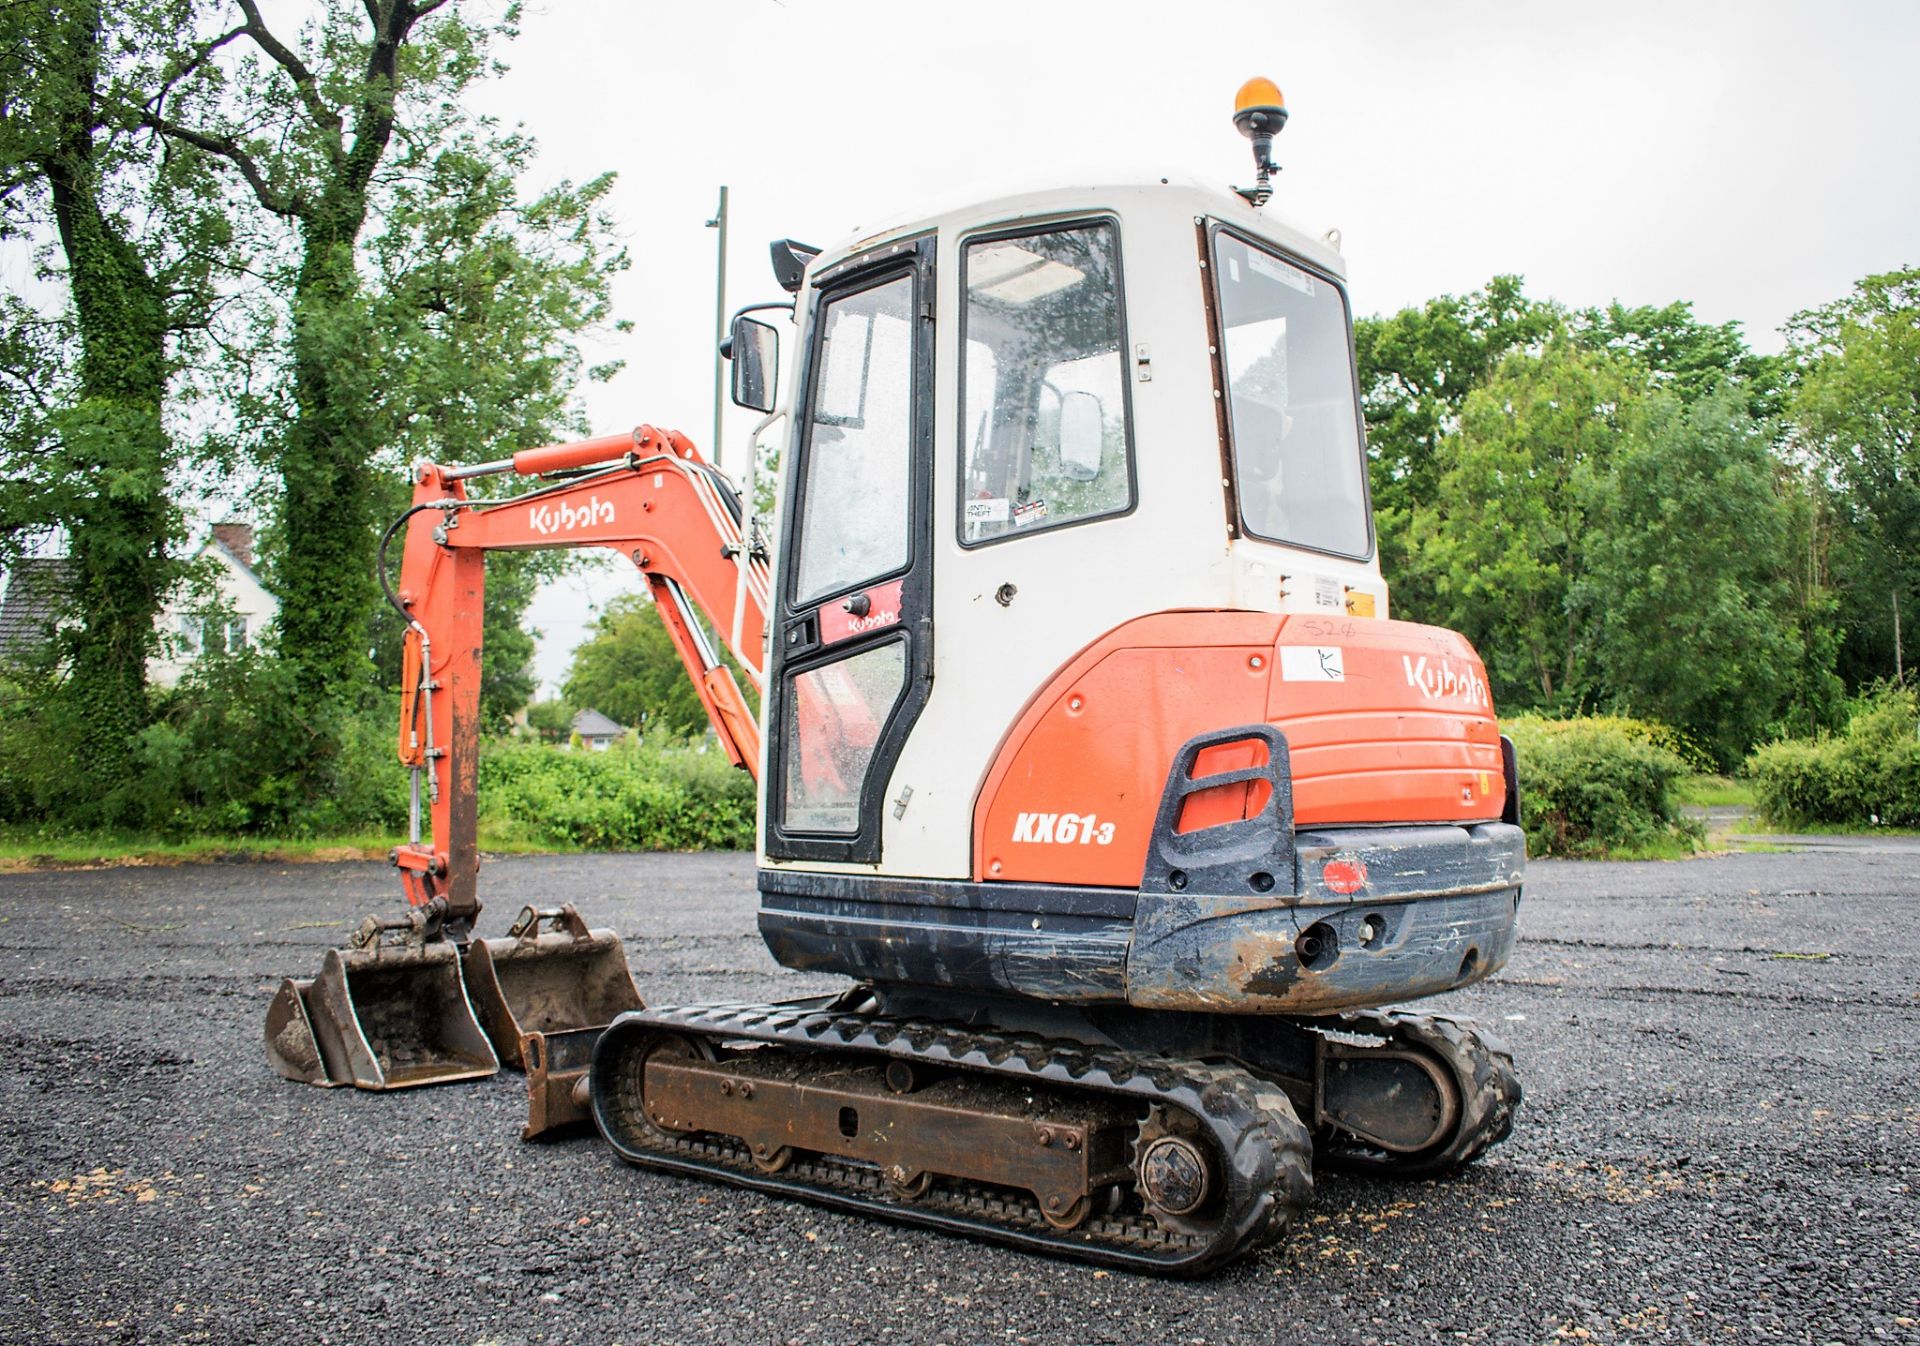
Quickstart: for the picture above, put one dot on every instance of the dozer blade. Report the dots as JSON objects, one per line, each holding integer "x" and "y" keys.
{"x": 557, "y": 1089}
{"x": 544, "y": 998}
{"x": 379, "y": 1016}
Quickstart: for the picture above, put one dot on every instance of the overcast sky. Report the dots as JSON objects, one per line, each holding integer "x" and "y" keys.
{"x": 1753, "y": 158}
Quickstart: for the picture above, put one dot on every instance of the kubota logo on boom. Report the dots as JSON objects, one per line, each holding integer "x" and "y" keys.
{"x": 547, "y": 519}
{"x": 1445, "y": 681}
{"x": 1063, "y": 829}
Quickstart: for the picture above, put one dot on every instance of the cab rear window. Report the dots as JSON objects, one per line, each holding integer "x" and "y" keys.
{"x": 1046, "y": 437}
{"x": 1298, "y": 458}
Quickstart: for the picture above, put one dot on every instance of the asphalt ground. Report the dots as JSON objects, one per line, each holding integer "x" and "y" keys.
{"x": 1720, "y": 1141}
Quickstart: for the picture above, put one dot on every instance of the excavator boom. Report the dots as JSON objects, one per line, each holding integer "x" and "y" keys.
{"x": 649, "y": 497}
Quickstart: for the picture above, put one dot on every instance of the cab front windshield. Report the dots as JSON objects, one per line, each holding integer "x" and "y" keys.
{"x": 1297, "y": 457}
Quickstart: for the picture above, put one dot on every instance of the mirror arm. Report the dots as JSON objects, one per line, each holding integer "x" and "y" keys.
{"x": 726, "y": 345}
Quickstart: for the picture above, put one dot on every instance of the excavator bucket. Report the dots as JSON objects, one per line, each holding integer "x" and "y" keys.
{"x": 544, "y": 997}
{"x": 293, "y": 1048}
{"x": 379, "y": 1016}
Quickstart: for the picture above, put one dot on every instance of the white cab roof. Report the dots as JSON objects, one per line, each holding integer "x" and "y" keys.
{"x": 972, "y": 208}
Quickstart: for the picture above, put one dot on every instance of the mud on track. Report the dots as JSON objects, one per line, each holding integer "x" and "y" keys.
{"x": 1720, "y": 1143}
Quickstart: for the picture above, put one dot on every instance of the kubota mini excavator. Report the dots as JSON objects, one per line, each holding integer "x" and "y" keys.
{"x": 1087, "y": 751}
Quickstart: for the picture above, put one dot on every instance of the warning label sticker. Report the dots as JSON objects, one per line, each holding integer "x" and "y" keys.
{"x": 1312, "y": 663}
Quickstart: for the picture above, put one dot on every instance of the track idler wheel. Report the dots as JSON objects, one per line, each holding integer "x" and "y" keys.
{"x": 1427, "y": 1095}
{"x": 909, "y": 1186}
{"x": 671, "y": 1047}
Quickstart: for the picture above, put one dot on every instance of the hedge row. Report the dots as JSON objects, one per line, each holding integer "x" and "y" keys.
{"x": 217, "y": 762}
{"x": 1597, "y": 785}
{"x": 1866, "y": 776}
{"x": 626, "y": 798}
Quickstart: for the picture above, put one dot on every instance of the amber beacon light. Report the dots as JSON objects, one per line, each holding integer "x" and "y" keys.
{"x": 1260, "y": 113}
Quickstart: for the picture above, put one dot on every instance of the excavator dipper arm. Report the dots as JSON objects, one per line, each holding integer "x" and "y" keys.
{"x": 647, "y": 495}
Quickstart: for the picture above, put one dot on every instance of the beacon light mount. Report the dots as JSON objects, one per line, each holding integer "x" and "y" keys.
{"x": 1259, "y": 114}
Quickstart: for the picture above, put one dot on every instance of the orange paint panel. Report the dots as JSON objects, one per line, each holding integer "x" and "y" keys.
{"x": 1096, "y": 744}
{"x": 1386, "y": 722}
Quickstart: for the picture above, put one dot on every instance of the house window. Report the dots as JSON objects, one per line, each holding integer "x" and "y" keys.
{"x": 236, "y": 634}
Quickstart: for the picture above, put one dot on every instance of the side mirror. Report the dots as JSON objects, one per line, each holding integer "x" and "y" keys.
{"x": 1082, "y": 433}
{"x": 754, "y": 348}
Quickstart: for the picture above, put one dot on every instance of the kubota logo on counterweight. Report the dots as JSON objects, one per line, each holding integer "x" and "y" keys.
{"x": 1445, "y": 681}
{"x": 547, "y": 519}
{"x": 1063, "y": 829}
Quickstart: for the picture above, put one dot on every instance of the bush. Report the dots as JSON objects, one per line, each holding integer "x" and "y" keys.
{"x": 1597, "y": 785}
{"x": 1867, "y": 775}
{"x": 220, "y": 757}
{"x": 647, "y": 797}
{"x": 223, "y": 753}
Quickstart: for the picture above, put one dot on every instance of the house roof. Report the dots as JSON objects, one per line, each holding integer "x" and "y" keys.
{"x": 35, "y": 588}
{"x": 592, "y": 724}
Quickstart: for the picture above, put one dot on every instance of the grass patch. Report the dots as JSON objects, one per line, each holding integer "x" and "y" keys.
{"x": 1705, "y": 790}
{"x": 23, "y": 849}
{"x": 1678, "y": 847}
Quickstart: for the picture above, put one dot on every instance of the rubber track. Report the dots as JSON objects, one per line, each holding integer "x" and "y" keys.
{"x": 1489, "y": 1093}
{"x": 1268, "y": 1153}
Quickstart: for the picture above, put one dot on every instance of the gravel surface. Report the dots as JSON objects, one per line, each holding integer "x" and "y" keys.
{"x": 1720, "y": 1141}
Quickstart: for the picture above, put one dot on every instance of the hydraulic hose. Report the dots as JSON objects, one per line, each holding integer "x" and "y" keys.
{"x": 380, "y": 565}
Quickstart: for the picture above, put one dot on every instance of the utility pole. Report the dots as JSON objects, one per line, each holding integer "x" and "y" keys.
{"x": 719, "y": 221}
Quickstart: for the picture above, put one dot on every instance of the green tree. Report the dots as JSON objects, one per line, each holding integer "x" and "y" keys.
{"x": 1416, "y": 369}
{"x": 1686, "y": 588}
{"x": 1856, "y": 408}
{"x": 1685, "y": 356}
{"x": 1506, "y": 531}
{"x": 83, "y": 412}
{"x": 552, "y": 720}
{"x": 424, "y": 308}
{"x": 628, "y": 670}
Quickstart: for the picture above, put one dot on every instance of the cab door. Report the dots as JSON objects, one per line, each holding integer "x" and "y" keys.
{"x": 852, "y": 660}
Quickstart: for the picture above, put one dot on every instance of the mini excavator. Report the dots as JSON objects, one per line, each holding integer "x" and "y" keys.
{"x": 1086, "y": 750}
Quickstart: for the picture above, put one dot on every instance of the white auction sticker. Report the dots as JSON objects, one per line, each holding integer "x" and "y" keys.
{"x": 1311, "y": 663}
{"x": 1280, "y": 271}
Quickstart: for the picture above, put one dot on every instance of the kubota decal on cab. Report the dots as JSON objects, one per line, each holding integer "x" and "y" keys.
{"x": 1063, "y": 829}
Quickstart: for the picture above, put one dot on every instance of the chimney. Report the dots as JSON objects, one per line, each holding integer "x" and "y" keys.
{"x": 236, "y": 538}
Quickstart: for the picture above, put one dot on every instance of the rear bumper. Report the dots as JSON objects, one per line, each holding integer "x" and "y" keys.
{"x": 1444, "y": 898}
{"x": 1377, "y": 915}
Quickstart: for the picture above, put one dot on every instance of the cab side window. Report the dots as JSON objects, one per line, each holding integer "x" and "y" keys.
{"x": 1046, "y": 434}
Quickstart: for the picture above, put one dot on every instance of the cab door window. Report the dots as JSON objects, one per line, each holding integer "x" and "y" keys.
{"x": 854, "y": 507}
{"x": 1046, "y": 435}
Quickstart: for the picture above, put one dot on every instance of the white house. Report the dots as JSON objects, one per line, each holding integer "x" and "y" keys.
{"x": 596, "y": 731}
{"x": 247, "y": 609}
{"x": 31, "y": 602}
